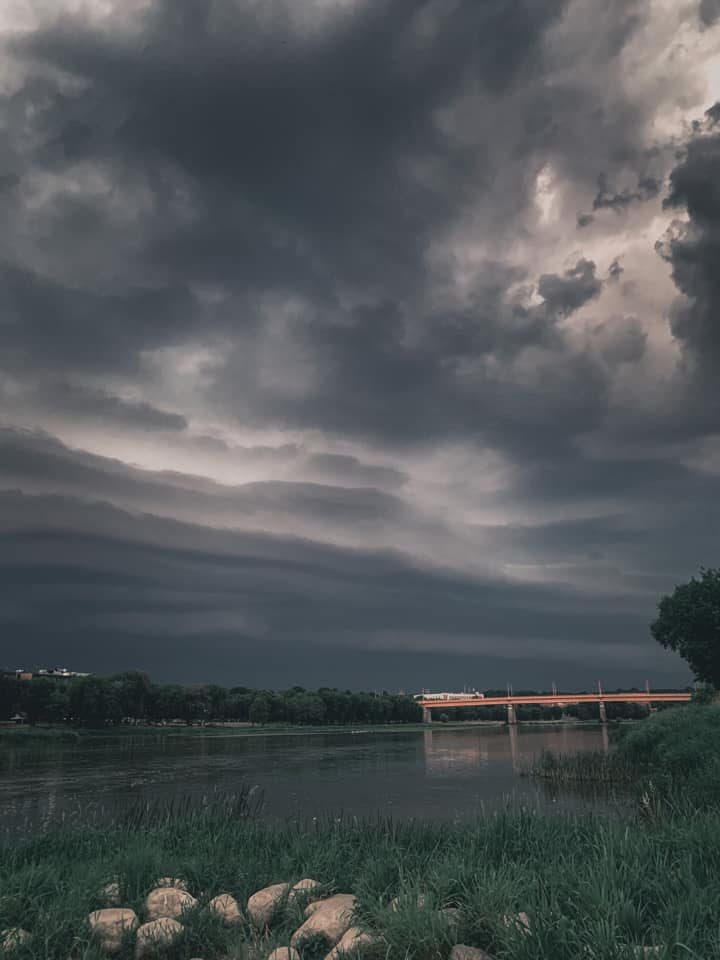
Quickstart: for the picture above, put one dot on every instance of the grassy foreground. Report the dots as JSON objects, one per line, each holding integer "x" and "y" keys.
{"x": 591, "y": 888}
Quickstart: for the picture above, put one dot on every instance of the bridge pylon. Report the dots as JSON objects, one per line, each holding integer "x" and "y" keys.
{"x": 427, "y": 715}
{"x": 511, "y": 715}
{"x": 603, "y": 712}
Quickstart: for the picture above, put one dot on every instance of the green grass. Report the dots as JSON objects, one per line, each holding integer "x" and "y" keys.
{"x": 590, "y": 887}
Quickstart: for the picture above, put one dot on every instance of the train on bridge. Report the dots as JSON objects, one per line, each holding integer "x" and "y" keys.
{"x": 473, "y": 695}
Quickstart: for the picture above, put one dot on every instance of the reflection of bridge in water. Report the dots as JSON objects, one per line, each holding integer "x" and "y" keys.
{"x": 551, "y": 700}
{"x": 451, "y": 752}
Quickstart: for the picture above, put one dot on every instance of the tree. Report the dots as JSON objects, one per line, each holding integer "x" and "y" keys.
{"x": 260, "y": 708}
{"x": 93, "y": 702}
{"x": 688, "y": 622}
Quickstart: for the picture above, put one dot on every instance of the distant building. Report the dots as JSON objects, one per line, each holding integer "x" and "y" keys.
{"x": 60, "y": 673}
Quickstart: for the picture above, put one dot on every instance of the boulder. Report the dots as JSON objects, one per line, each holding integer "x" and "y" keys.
{"x": 520, "y": 921}
{"x": 110, "y": 893}
{"x": 226, "y": 908}
{"x": 328, "y": 921}
{"x": 284, "y": 953}
{"x": 172, "y": 882}
{"x": 346, "y": 900}
{"x": 168, "y": 902}
{"x": 462, "y": 952}
{"x": 263, "y": 905}
{"x": 110, "y": 926}
{"x": 304, "y": 888}
{"x": 156, "y": 933}
{"x": 353, "y": 941}
{"x": 12, "y": 938}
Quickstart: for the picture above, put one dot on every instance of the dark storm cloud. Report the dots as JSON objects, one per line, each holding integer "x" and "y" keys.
{"x": 693, "y": 246}
{"x": 272, "y": 164}
{"x": 709, "y": 11}
{"x": 255, "y": 224}
{"x": 42, "y": 464}
{"x": 563, "y": 295}
{"x": 317, "y": 132}
{"x": 647, "y": 188}
{"x": 91, "y": 403}
{"x": 240, "y": 592}
{"x": 348, "y": 468}
{"x": 52, "y": 326}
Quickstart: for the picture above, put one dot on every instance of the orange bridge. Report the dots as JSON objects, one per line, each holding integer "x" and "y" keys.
{"x": 550, "y": 700}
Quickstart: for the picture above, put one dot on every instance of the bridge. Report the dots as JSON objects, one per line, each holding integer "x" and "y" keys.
{"x": 551, "y": 700}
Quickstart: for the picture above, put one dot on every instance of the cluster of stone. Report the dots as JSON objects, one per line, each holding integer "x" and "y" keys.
{"x": 330, "y": 920}
{"x": 164, "y": 908}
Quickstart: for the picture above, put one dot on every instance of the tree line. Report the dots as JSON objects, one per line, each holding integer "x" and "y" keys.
{"x": 132, "y": 697}
{"x": 101, "y": 701}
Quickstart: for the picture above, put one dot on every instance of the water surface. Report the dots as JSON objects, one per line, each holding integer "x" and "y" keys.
{"x": 452, "y": 774}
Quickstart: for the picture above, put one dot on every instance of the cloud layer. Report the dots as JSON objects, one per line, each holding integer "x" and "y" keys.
{"x": 371, "y": 343}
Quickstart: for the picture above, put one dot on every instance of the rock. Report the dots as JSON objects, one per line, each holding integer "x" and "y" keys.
{"x": 172, "y": 882}
{"x": 284, "y": 953}
{"x": 12, "y": 938}
{"x": 399, "y": 902}
{"x": 110, "y": 926}
{"x": 328, "y": 921}
{"x": 263, "y": 905}
{"x": 304, "y": 888}
{"x": 351, "y": 942}
{"x": 156, "y": 933}
{"x": 462, "y": 952}
{"x": 520, "y": 921}
{"x": 226, "y": 907}
{"x": 110, "y": 893}
{"x": 168, "y": 902}
{"x": 346, "y": 900}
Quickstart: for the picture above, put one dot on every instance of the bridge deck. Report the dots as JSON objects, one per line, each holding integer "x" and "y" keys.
{"x": 556, "y": 700}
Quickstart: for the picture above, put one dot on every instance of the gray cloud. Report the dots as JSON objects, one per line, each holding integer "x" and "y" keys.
{"x": 692, "y": 246}
{"x": 239, "y": 593}
{"x": 306, "y": 351}
{"x": 97, "y": 404}
{"x": 647, "y": 188}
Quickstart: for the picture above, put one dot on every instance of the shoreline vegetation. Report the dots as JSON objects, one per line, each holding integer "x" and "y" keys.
{"x": 131, "y": 698}
{"x": 589, "y": 886}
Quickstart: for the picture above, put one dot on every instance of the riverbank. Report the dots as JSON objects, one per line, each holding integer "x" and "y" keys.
{"x": 588, "y": 887}
{"x": 672, "y": 757}
{"x": 63, "y": 732}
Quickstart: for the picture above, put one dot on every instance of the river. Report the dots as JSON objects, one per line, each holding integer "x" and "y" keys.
{"x": 452, "y": 774}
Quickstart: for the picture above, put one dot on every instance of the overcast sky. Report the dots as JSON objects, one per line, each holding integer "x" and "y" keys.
{"x": 370, "y": 343}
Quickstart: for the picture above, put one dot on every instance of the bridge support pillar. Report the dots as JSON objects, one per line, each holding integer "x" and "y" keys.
{"x": 427, "y": 718}
{"x": 603, "y": 712}
{"x": 511, "y": 716}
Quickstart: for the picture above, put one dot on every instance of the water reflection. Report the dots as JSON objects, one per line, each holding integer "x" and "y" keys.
{"x": 440, "y": 772}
